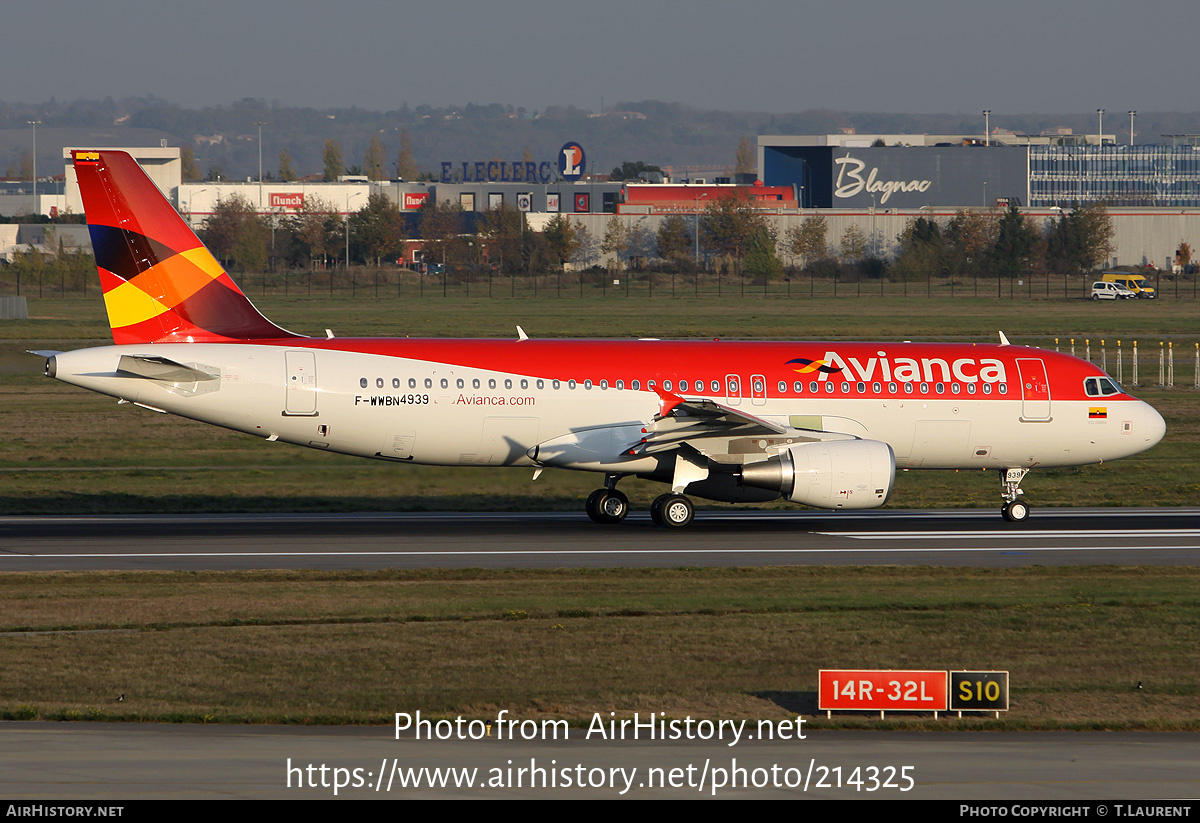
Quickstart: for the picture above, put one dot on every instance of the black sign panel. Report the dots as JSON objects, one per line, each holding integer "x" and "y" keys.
{"x": 979, "y": 691}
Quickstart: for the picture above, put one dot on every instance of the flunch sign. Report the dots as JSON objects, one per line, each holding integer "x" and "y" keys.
{"x": 287, "y": 201}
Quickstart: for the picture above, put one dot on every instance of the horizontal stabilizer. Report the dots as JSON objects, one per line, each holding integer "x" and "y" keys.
{"x": 160, "y": 368}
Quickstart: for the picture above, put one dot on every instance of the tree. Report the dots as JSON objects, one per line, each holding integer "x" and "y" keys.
{"x": 969, "y": 236}
{"x": 807, "y": 240}
{"x": 761, "y": 258}
{"x": 615, "y": 239}
{"x": 333, "y": 161}
{"x": 1080, "y": 239}
{"x": 26, "y": 166}
{"x": 378, "y": 230}
{"x": 406, "y": 166}
{"x": 375, "y": 160}
{"x": 728, "y": 224}
{"x": 560, "y": 238}
{"x": 285, "y": 167}
{"x": 189, "y": 170}
{"x": 235, "y": 231}
{"x": 315, "y": 226}
{"x": 503, "y": 228}
{"x": 629, "y": 170}
{"x": 1015, "y": 242}
{"x": 853, "y": 243}
{"x": 639, "y": 244}
{"x": 922, "y": 250}
{"x": 587, "y": 248}
{"x": 675, "y": 242}
{"x": 745, "y": 162}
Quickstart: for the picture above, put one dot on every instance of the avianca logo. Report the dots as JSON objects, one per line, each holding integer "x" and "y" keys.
{"x": 807, "y": 366}
{"x": 909, "y": 369}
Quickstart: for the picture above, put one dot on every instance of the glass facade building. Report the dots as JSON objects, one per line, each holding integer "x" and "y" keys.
{"x": 1115, "y": 175}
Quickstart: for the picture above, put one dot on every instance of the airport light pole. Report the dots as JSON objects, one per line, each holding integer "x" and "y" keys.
{"x": 987, "y": 139}
{"x": 348, "y": 196}
{"x": 260, "y": 180}
{"x": 1100, "y": 115}
{"x": 34, "y": 123}
{"x": 696, "y": 211}
{"x": 1132, "y": 114}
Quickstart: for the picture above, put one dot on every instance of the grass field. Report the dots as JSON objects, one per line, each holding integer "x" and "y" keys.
{"x": 353, "y": 647}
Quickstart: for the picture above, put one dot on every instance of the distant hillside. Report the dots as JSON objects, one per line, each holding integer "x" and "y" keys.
{"x": 666, "y": 134}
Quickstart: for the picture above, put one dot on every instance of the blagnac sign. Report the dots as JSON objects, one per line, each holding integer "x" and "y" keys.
{"x": 851, "y": 182}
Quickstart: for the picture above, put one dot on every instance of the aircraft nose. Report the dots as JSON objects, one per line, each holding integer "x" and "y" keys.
{"x": 1153, "y": 426}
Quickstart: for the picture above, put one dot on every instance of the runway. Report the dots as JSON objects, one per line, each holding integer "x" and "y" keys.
{"x": 1168, "y": 536}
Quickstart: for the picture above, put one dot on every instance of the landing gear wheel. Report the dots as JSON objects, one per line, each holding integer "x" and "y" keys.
{"x": 607, "y": 506}
{"x": 613, "y": 506}
{"x": 1016, "y": 512}
{"x": 592, "y": 506}
{"x": 674, "y": 511}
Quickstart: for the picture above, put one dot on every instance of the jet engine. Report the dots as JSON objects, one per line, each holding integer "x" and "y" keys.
{"x": 839, "y": 474}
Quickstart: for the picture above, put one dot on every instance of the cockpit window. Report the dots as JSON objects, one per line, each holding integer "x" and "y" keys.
{"x": 1100, "y": 387}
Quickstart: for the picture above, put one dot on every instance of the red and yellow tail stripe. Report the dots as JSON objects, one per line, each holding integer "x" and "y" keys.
{"x": 160, "y": 283}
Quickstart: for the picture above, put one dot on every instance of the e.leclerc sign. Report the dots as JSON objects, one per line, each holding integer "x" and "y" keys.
{"x": 570, "y": 167}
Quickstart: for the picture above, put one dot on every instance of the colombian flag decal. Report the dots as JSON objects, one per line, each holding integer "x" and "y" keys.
{"x": 807, "y": 366}
{"x": 1098, "y": 413}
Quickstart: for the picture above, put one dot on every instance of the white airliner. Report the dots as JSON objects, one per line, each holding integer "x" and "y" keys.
{"x": 822, "y": 424}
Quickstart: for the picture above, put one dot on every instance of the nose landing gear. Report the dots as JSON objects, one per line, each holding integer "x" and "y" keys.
{"x": 1014, "y": 509}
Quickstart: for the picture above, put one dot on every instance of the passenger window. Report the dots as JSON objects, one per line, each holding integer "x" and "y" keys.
{"x": 459, "y": 383}
{"x": 445, "y": 383}
{"x": 587, "y": 384}
{"x": 954, "y": 388}
{"x": 395, "y": 382}
{"x": 556, "y": 384}
{"x": 379, "y": 382}
{"x": 829, "y": 387}
{"x": 412, "y": 382}
{"x": 987, "y": 388}
{"x": 620, "y": 385}
{"x": 362, "y": 382}
{"x": 892, "y": 388}
{"x": 940, "y": 388}
{"x": 862, "y": 388}
{"x": 716, "y": 386}
{"x": 603, "y": 385}
{"x": 541, "y": 384}
{"x": 524, "y": 384}
{"x": 908, "y": 388}
{"x": 475, "y": 383}
{"x": 924, "y": 388}
{"x": 507, "y": 383}
{"x": 491, "y": 383}
{"x": 428, "y": 383}
{"x": 877, "y": 388}
{"x": 845, "y": 387}
{"x": 814, "y": 386}
{"x": 667, "y": 385}
{"x": 636, "y": 385}
{"x": 571, "y": 384}
{"x": 970, "y": 388}
{"x": 1003, "y": 388}
{"x": 683, "y": 384}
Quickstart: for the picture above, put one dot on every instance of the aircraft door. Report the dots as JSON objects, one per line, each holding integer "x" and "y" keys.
{"x": 733, "y": 389}
{"x": 1035, "y": 389}
{"x": 758, "y": 389}
{"x": 301, "y": 399}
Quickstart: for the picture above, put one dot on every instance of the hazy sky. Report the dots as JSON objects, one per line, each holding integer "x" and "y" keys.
{"x": 924, "y": 56}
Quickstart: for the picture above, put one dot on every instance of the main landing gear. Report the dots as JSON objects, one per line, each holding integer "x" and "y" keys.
{"x": 1014, "y": 509}
{"x": 608, "y": 505}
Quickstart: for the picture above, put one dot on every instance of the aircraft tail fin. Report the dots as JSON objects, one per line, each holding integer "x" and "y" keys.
{"x": 160, "y": 284}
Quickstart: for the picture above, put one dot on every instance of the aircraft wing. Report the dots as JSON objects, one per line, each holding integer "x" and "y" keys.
{"x": 682, "y": 421}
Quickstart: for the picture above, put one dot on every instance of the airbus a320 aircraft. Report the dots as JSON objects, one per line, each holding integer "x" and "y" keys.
{"x": 822, "y": 424}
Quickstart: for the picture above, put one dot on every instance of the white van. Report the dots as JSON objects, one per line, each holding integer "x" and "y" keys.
{"x": 1105, "y": 290}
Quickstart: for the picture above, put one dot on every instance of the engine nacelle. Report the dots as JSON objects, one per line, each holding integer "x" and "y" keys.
{"x": 839, "y": 474}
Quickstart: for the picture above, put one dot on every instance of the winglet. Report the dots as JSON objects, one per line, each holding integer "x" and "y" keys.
{"x": 667, "y": 401}
{"x": 1004, "y": 340}
{"x": 521, "y": 335}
